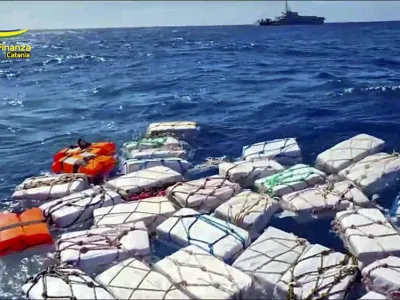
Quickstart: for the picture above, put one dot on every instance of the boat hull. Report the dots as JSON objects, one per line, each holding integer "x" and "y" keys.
{"x": 316, "y": 21}
{"x": 12, "y": 33}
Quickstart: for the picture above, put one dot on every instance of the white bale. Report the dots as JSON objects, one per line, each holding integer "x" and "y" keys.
{"x": 143, "y": 180}
{"x": 133, "y": 279}
{"x": 293, "y": 179}
{"x": 394, "y": 212}
{"x": 177, "y": 164}
{"x": 383, "y": 277}
{"x": 268, "y": 258}
{"x": 185, "y": 128}
{"x": 152, "y": 211}
{"x": 64, "y": 282}
{"x": 246, "y": 172}
{"x": 50, "y": 187}
{"x": 374, "y": 173}
{"x": 373, "y": 296}
{"x": 324, "y": 200}
{"x": 319, "y": 271}
{"x": 156, "y": 153}
{"x": 168, "y": 143}
{"x": 203, "y": 276}
{"x": 248, "y": 210}
{"x": 348, "y": 152}
{"x": 367, "y": 234}
{"x": 285, "y": 151}
{"x": 78, "y": 208}
{"x": 188, "y": 227}
{"x": 203, "y": 195}
{"x": 99, "y": 247}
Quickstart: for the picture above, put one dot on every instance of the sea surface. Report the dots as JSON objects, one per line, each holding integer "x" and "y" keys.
{"x": 242, "y": 84}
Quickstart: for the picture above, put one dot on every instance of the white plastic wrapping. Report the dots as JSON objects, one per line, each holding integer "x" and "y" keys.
{"x": 78, "y": 208}
{"x": 143, "y": 180}
{"x": 177, "y": 164}
{"x": 203, "y": 195}
{"x": 246, "y": 172}
{"x": 285, "y": 151}
{"x": 348, "y": 152}
{"x": 374, "y": 173}
{"x": 133, "y": 279}
{"x": 99, "y": 247}
{"x": 324, "y": 200}
{"x": 383, "y": 277}
{"x": 185, "y": 128}
{"x": 152, "y": 211}
{"x": 318, "y": 273}
{"x": 268, "y": 258}
{"x": 203, "y": 276}
{"x": 64, "y": 282}
{"x": 367, "y": 234}
{"x": 50, "y": 187}
{"x": 188, "y": 227}
{"x": 248, "y": 210}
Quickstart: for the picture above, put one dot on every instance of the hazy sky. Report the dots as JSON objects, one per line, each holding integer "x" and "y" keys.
{"x": 78, "y": 14}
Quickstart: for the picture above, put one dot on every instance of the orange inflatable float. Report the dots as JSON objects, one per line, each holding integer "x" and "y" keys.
{"x": 18, "y": 232}
{"x": 103, "y": 148}
{"x": 87, "y": 163}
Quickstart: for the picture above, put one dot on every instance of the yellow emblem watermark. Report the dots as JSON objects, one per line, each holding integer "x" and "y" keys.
{"x": 14, "y": 50}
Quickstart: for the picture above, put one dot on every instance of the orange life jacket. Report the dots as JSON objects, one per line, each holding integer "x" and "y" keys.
{"x": 86, "y": 163}
{"x": 102, "y": 148}
{"x": 18, "y": 232}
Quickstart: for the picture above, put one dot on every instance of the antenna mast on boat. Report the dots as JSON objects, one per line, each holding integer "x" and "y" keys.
{"x": 287, "y": 6}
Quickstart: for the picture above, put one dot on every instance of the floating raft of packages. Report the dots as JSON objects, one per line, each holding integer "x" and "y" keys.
{"x": 112, "y": 208}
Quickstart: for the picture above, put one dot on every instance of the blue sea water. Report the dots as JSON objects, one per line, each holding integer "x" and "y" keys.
{"x": 243, "y": 84}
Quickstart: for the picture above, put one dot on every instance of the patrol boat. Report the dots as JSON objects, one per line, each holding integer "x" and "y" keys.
{"x": 289, "y": 17}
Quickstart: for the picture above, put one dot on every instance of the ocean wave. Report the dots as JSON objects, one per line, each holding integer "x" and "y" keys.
{"x": 387, "y": 62}
{"x": 386, "y": 89}
{"x": 60, "y": 59}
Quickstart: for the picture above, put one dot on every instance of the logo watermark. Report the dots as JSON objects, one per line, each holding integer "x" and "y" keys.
{"x": 14, "y": 51}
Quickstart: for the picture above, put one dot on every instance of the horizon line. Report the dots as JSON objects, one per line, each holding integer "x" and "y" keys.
{"x": 215, "y": 25}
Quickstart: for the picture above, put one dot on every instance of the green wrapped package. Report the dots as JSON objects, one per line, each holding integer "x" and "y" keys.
{"x": 295, "y": 178}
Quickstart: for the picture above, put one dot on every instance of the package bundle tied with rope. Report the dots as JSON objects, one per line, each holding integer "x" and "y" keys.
{"x": 50, "y": 187}
{"x": 319, "y": 273}
{"x": 367, "y": 234}
{"x": 383, "y": 277}
{"x": 177, "y": 164}
{"x": 374, "y": 173}
{"x": 64, "y": 282}
{"x": 348, "y": 152}
{"x": 373, "y": 296}
{"x": 144, "y": 180}
{"x": 248, "y": 210}
{"x": 133, "y": 279}
{"x": 323, "y": 201}
{"x": 189, "y": 227}
{"x": 177, "y": 128}
{"x": 96, "y": 248}
{"x": 285, "y": 151}
{"x": 152, "y": 211}
{"x": 156, "y": 153}
{"x": 245, "y": 173}
{"x": 77, "y": 208}
{"x": 268, "y": 258}
{"x": 394, "y": 212}
{"x": 203, "y": 276}
{"x": 203, "y": 195}
{"x": 167, "y": 143}
{"x": 293, "y": 179}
